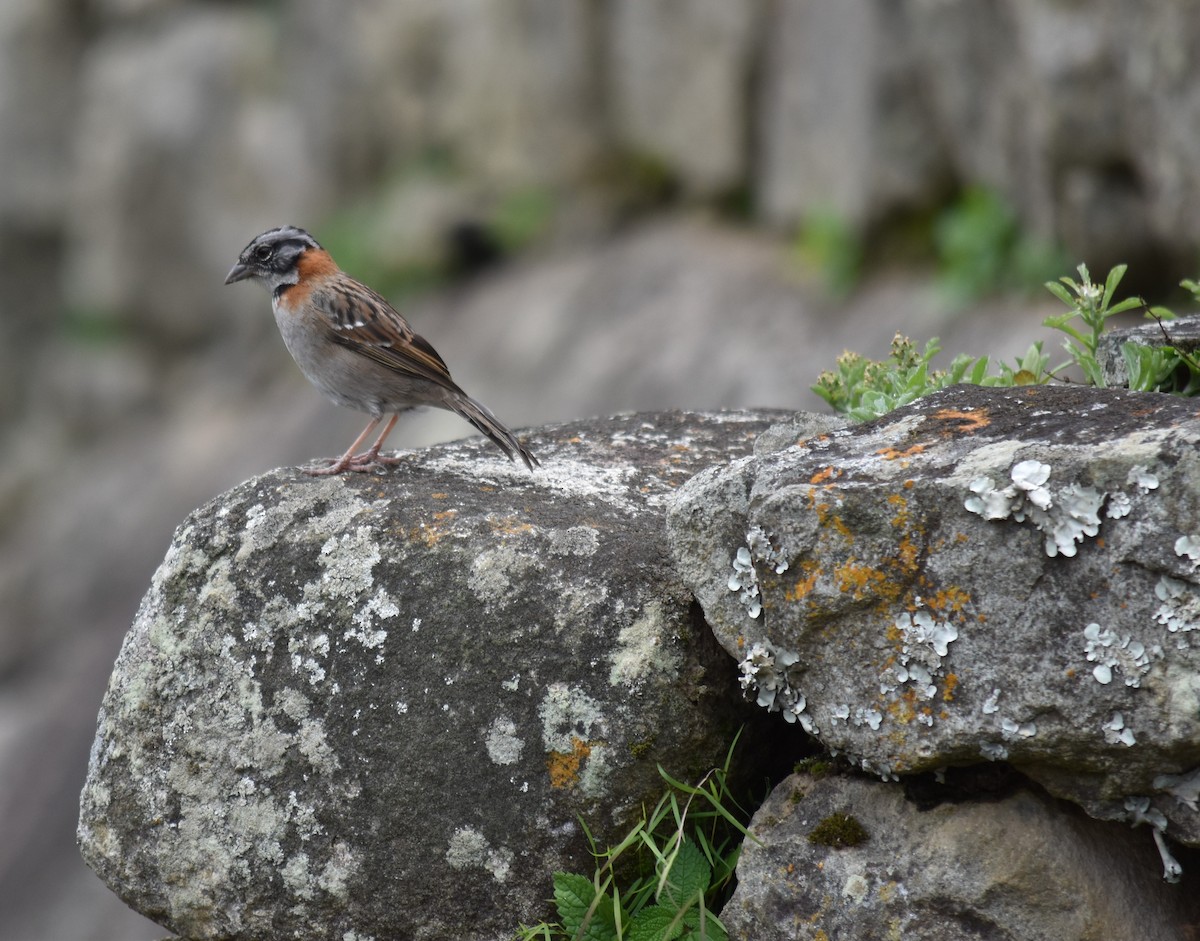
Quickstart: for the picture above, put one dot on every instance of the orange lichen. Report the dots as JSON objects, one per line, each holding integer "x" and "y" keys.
{"x": 968, "y": 421}
{"x": 891, "y": 454}
{"x": 810, "y": 572}
{"x": 864, "y": 580}
{"x": 951, "y": 684}
{"x": 509, "y": 525}
{"x": 564, "y": 766}
{"x": 824, "y": 476}
{"x": 947, "y": 600}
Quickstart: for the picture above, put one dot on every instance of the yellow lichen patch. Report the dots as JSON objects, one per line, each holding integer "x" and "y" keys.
{"x": 509, "y": 525}
{"x": 564, "y": 766}
{"x": 951, "y": 685}
{"x": 430, "y": 534}
{"x": 438, "y": 496}
{"x": 945, "y": 601}
{"x": 810, "y": 571}
{"x": 891, "y": 454}
{"x": 967, "y": 421}
{"x": 863, "y": 580}
{"x": 827, "y": 517}
{"x": 903, "y": 709}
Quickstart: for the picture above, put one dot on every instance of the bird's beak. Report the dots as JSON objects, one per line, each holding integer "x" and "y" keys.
{"x": 238, "y": 272}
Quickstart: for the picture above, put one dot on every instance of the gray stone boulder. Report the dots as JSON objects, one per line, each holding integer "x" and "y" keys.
{"x": 1018, "y": 867}
{"x": 985, "y": 575}
{"x": 377, "y": 705}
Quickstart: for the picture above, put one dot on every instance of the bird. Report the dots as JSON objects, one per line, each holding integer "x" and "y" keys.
{"x": 355, "y": 347}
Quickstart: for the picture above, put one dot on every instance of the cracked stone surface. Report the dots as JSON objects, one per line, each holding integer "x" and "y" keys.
{"x": 1019, "y": 866}
{"x": 984, "y": 575}
{"x": 373, "y": 706}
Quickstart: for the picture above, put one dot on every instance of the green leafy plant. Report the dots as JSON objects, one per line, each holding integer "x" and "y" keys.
{"x": 981, "y": 248}
{"x": 682, "y": 856}
{"x": 828, "y": 244}
{"x": 863, "y": 389}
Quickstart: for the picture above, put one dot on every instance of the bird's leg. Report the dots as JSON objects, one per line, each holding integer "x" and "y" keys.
{"x": 372, "y": 455}
{"x": 349, "y": 460}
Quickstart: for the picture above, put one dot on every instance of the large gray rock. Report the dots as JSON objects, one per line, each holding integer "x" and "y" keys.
{"x": 984, "y": 575}
{"x": 1018, "y": 867}
{"x": 373, "y": 706}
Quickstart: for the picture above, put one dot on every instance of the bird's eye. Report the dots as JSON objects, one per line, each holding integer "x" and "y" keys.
{"x": 263, "y": 252}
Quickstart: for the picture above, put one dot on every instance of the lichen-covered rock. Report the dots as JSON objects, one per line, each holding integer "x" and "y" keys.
{"x": 1015, "y": 868}
{"x": 983, "y": 575}
{"x": 372, "y": 706}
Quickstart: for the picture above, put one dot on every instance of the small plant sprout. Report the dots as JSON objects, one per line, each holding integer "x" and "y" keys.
{"x": 863, "y": 389}
{"x": 1092, "y": 304}
{"x": 676, "y": 865}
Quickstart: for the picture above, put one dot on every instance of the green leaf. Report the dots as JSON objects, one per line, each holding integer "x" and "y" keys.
{"x": 1128, "y": 304}
{"x": 1115, "y": 274}
{"x": 585, "y": 916}
{"x": 1061, "y": 293}
{"x": 655, "y": 923}
{"x": 687, "y": 876}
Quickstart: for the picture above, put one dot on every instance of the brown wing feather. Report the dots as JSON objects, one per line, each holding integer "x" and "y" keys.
{"x": 363, "y": 321}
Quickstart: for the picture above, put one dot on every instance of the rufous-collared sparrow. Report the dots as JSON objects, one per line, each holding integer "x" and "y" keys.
{"x": 354, "y": 346}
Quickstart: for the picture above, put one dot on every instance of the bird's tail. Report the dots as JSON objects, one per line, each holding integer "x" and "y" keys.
{"x": 479, "y": 416}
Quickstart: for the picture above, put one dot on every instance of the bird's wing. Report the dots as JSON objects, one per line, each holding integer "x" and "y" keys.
{"x": 363, "y": 321}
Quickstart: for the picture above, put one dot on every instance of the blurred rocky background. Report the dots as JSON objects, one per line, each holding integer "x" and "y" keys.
{"x": 588, "y": 205}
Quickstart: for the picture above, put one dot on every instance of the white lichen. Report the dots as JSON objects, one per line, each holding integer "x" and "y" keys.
{"x": 1011, "y": 729}
{"x": 1139, "y": 476}
{"x": 1117, "y": 733}
{"x": 1138, "y": 811}
{"x": 744, "y": 581}
{"x": 1185, "y": 788}
{"x": 993, "y": 751}
{"x": 770, "y": 673}
{"x": 759, "y": 550}
{"x": 1189, "y": 546}
{"x": 924, "y": 643}
{"x": 871, "y": 718}
{"x": 1065, "y": 518}
{"x": 991, "y": 705}
{"x": 1111, "y": 652}
{"x": 1179, "y": 608}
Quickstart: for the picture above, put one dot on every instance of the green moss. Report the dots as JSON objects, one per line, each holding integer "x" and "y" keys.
{"x": 838, "y": 830}
{"x": 639, "y": 749}
{"x": 815, "y": 766}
